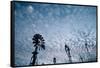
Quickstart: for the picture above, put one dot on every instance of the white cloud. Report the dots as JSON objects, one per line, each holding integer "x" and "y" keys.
{"x": 30, "y": 9}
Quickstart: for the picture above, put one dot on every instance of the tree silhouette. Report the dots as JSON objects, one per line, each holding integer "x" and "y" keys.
{"x": 67, "y": 49}
{"x": 38, "y": 42}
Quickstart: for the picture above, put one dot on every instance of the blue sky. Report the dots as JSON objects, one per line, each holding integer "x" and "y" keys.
{"x": 57, "y": 24}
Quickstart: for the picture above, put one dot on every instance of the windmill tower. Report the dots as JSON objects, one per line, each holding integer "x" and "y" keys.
{"x": 38, "y": 42}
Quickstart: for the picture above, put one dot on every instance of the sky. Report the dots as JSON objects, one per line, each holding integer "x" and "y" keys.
{"x": 58, "y": 24}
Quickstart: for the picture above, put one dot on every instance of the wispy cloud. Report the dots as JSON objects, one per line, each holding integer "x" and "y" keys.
{"x": 57, "y": 23}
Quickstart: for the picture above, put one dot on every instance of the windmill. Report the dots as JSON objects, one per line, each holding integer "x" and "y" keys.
{"x": 38, "y": 42}
{"x": 54, "y": 60}
{"x": 67, "y": 49}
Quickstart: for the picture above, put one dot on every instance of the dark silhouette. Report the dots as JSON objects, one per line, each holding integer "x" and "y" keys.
{"x": 54, "y": 60}
{"x": 86, "y": 46}
{"x": 38, "y": 42}
{"x": 42, "y": 63}
{"x": 67, "y": 49}
{"x": 84, "y": 35}
{"x": 81, "y": 58}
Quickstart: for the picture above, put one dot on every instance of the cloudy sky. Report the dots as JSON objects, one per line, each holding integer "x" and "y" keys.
{"x": 57, "y": 24}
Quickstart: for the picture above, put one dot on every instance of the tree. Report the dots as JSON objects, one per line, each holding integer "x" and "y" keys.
{"x": 38, "y": 42}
